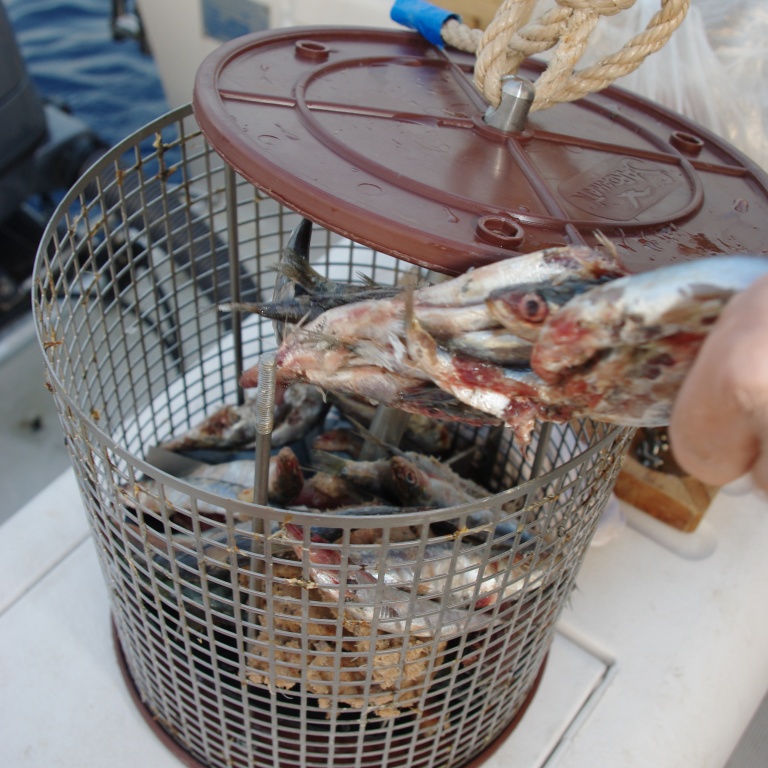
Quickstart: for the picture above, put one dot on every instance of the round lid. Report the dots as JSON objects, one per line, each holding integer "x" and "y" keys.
{"x": 379, "y": 136}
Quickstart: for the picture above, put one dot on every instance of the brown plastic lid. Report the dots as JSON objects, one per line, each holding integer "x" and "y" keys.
{"x": 379, "y": 136}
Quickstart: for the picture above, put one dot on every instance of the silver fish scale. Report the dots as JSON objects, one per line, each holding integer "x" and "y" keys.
{"x": 249, "y": 650}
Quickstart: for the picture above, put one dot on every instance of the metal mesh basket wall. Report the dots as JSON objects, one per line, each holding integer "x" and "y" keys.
{"x": 411, "y": 639}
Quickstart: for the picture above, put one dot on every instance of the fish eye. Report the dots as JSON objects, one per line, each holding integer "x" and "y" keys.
{"x": 532, "y": 308}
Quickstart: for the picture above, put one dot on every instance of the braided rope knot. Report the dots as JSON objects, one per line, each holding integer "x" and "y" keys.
{"x": 566, "y": 27}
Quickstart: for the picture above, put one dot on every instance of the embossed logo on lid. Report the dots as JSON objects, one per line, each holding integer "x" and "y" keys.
{"x": 621, "y": 188}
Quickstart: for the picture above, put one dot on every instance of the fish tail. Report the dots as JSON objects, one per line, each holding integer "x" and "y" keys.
{"x": 294, "y": 262}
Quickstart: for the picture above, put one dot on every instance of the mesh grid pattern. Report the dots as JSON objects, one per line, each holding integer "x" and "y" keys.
{"x": 251, "y": 648}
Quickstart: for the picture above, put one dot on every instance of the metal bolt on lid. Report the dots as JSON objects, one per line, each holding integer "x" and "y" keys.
{"x": 517, "y": 96}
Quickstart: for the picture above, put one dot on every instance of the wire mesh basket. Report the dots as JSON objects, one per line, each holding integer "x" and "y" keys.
{"x": 413, "y": 638}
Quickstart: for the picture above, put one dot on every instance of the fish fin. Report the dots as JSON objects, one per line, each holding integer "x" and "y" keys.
{"x": 612, "y": 254}
{"x": 367, "y": 435}
{"x": 328, "y": 462}
{"x": 239, "y": 306}
{"x": 367, "y": 281}
{"x": 413, "y": 328}
{"x": 608, "y": 244}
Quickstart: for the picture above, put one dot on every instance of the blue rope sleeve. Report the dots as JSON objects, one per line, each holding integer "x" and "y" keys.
{"x": 424, "y": 17}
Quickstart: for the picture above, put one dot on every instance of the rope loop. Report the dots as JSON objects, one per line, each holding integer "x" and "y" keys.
{"x": 566, "y": 27}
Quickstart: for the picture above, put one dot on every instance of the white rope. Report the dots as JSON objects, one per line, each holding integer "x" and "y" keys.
{"x": 566, "y": 27}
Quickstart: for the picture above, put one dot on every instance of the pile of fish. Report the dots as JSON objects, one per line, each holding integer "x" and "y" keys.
{"x": 476, "y": 558}
{"x": 551, "y": 335}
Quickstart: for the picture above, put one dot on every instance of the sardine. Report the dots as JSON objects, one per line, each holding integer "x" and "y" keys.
{"x": 295, "y": 269}
{"x": 517, "y": 397}
{"x": 453, "y": 570}
{"x": 416, "y": 488}
{"x": 231, "y": 427}
{"x": 372, "y": 477}
{"x": 415, "y": 481}
{"x": 427, "y": 435}
{"x": 230, "y": 480}
{"x": 301, "y": 293}
{"x": 369, "y": 600}
{"x": 228, "y": 427}
{"x": 458, "y": 304}
{"x": 327, "y": 491}
{"x": 639, "y": 309}
{"x": 339, "y": 440}
{"x": 538, "y": 268}
{"x": 301, "y": 309}
{"x": 496, "y": 345}
{"x": 302, "y": 408}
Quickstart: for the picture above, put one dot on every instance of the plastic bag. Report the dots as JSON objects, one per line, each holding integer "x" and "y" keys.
{"x": 712, "y": 70}
{"x": 737, "y": 31}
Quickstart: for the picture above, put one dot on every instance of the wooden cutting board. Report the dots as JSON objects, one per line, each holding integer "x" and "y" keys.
{"x": 664, "y": 491}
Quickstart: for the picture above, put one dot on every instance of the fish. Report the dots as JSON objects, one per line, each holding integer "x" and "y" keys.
{"x": 615, "y": 352}
{"x": 459, "y": 304}
{"x": 300, "y": 309}
{"x": 427, "y": 483}
{"x": 495, "y": 345}
{"x": 301, "y": 293}
{"x": 372, "y": 477}
{"x": 537, "y": 268}
{"x": 285, "y": 479}
{"x": 417, "y": 488}
{"x": 335, "y": 368}
{"x": 303, "y": 406}
{"x": 230, "y": 480}
{"x": 457, "y": 571}
{"x": 301, "y": 279}
{"x": 414, "y": 481}
{"x": 339, "y": 440}
{"x": 684, "y": 298}
{"x": 428, "y": 435}
{"x": 298, "y": 408}
{"x": 327, "y": 491}
{"x": 445, "y": 322}
{"x": 405, "y": 477}
{"x": 364, "y": 598}
{"x": 517, "y": 397}
{"x": 228, "y": 427}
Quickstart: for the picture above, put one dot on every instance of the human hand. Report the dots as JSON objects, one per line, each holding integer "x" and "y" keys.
{"x": 719, "y": 425}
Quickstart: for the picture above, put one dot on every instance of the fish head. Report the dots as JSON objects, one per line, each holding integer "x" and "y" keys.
{"x": 286, "y": 477}
{"x": 411, "y": 483}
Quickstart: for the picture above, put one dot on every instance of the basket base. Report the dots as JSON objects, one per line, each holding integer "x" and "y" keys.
{"x": 191, "y": 762}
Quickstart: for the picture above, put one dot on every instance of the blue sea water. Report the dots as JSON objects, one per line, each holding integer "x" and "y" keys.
{"x": 68, "y": 48}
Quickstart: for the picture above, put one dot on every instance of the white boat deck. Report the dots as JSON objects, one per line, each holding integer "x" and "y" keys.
{"x": 660, "y": 659}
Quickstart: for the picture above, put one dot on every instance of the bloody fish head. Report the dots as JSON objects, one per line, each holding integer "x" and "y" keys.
{"x": 286, "y": 478}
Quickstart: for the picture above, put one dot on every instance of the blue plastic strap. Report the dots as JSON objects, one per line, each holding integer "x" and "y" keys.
{"x": 424, "y": 17}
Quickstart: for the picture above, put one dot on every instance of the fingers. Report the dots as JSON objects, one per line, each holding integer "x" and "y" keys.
{"x": 719, "y": 425}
